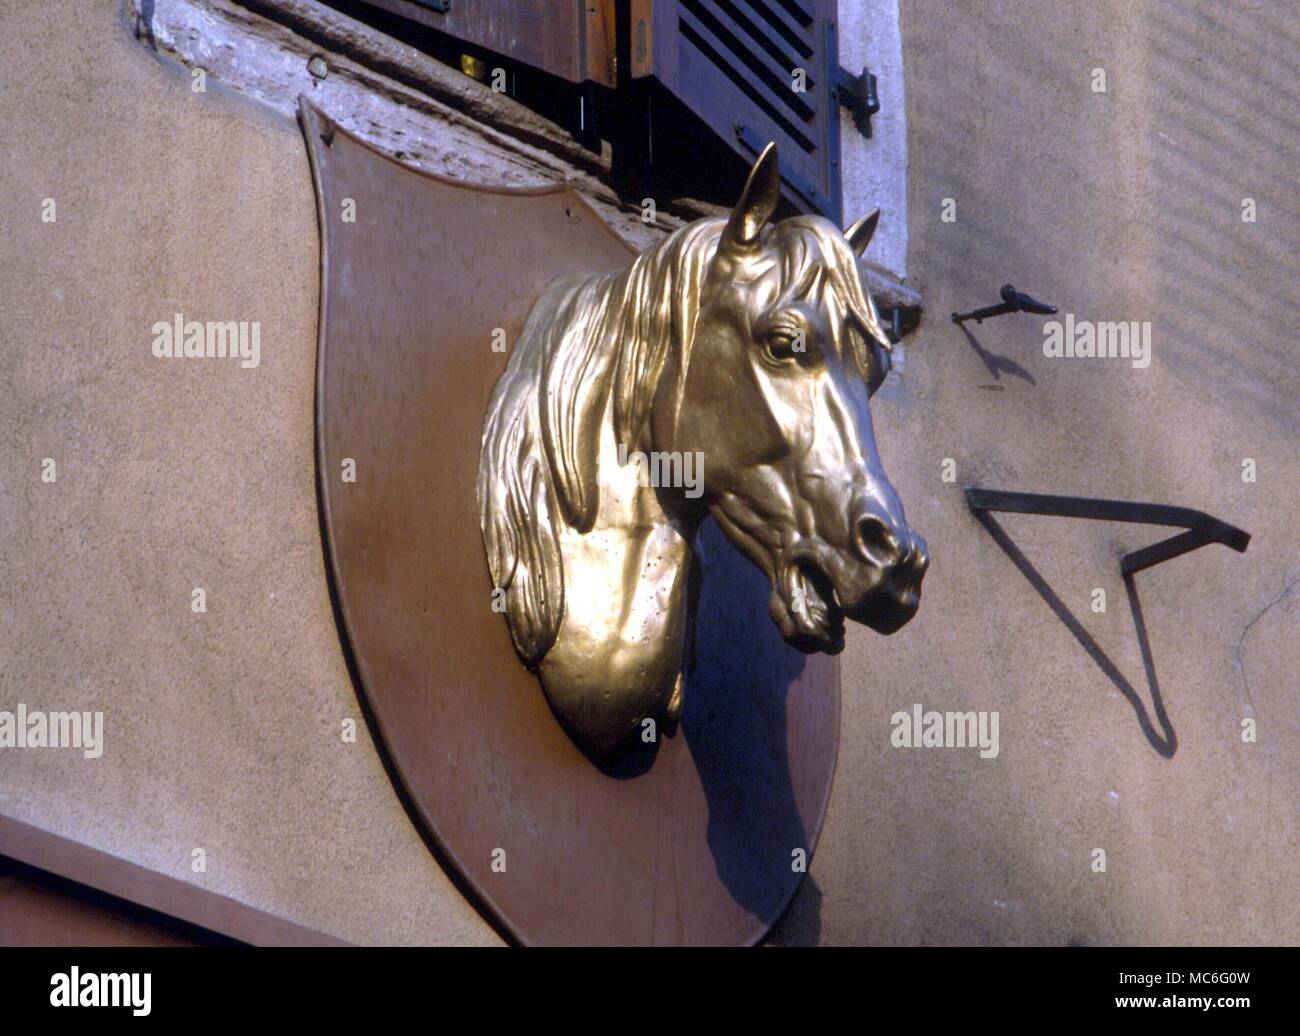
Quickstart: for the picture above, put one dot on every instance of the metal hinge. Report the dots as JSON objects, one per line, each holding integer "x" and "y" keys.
{"x": 858, "y": 95}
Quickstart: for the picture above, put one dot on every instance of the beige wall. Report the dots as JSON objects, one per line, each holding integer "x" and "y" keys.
{"x": 1117, "y": 206}
{"x": 222, "y": 729}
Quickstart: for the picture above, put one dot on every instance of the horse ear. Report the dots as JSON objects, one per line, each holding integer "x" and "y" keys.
{"x": 757, "y": 201}
{"x": 859, "y": 234}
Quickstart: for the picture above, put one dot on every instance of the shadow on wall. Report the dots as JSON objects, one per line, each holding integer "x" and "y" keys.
{"x": 144, "y": 24}
{"x": 1164, "y": 741}
{"x": 801, "y": 924}
{"x": 997, "y": 365}
{"x": 734, "y": 721}
{"x": 734, "y": 724}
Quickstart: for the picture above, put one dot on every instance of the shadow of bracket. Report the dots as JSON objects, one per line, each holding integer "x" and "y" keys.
{"x": 1200, "y": 529}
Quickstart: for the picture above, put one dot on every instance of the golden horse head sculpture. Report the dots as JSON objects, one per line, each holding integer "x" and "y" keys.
{"x": 727, "y": 371}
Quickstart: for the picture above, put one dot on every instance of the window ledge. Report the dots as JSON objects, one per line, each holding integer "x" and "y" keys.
{"x": 403, "y": 102}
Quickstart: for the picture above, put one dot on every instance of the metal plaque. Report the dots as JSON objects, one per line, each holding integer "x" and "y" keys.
{"x": 699, "y": 837}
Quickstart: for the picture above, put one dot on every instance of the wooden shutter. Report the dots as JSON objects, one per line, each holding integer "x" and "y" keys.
{"x": 572, "y": 39}
{"x": 732, "y": 62}
{"x": 753, "y": 71}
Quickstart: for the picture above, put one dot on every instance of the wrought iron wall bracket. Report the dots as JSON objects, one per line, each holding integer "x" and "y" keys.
{"x": 1200, "y": 527}
{"x": 1012, "y": 302}
{"x": 900, "y": 321}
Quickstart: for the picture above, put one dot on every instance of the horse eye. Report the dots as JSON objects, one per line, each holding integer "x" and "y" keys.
{"x": 784, "y": 344}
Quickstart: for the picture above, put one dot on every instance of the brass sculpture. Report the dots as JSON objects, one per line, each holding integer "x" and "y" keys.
{"x": 727, "y": 371}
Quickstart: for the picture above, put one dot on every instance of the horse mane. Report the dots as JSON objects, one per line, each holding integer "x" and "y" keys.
{"x": 597, "y": 344}
{"x": 586, "y": 339}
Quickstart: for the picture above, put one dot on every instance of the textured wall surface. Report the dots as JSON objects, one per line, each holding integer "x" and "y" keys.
{"x": 875, "y": 169}
{"x": 222, "y": 729}
{"x": 1117, "y": 206}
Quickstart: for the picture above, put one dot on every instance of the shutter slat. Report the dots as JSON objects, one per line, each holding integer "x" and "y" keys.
{"x": 732, "y": 61}
{"x": 800, "y": 9}
{"x": 800, "y": 36}
{"x": 757, "y": 92}
{"x": 775, "y": 46}
{"x": 750, "y": 71}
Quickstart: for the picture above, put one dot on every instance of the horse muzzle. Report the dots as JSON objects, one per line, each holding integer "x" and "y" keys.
{"x": 896, "y": 558}
{"x": 816, "y": 590}
{"x": 889, "y": 604}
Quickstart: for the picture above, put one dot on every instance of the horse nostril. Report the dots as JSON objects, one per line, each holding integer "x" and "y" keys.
{"x": 920, "y": 555}
{"x": 876, "y": 540}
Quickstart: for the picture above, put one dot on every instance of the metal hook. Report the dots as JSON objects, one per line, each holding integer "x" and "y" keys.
{"x": 1012, "y": 302}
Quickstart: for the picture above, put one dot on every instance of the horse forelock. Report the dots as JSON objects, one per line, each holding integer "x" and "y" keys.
{"x": 814, "y": 255}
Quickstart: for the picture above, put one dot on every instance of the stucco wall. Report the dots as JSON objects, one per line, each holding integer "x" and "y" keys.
{"x": 875, "y": 170}
{"x": 222, "y": 728}
{"x": 1117, "y": 206}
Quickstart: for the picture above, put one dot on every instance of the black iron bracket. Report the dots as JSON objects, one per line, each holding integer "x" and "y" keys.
{"x": 1200, "y": 527}
{"x": 1012, "y": 302}
{"x": 858, "y": 95}
{"x": 899, "y": 321}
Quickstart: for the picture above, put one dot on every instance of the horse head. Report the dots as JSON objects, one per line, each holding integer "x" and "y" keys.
{"x": 774, "y": 392}
{"x": 753, "y": 348}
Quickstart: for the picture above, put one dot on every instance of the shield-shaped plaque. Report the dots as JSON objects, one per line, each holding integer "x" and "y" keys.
{"x": 703, "y": 836}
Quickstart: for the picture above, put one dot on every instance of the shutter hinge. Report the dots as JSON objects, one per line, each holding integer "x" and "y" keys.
{"x": 858, "y": 95}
